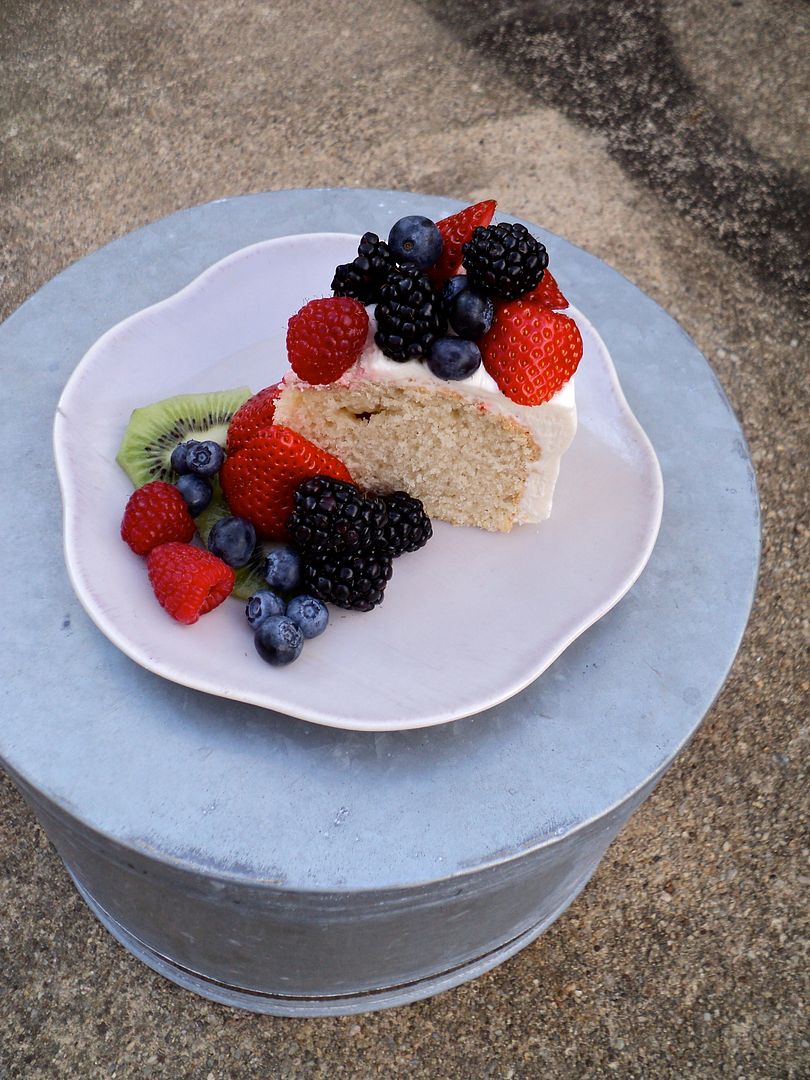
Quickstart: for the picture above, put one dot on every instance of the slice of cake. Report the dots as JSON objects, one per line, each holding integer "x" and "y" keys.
{"x": 455, "y": 384}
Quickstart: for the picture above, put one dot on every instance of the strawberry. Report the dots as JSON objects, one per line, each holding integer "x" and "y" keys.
{"x": 188, "y": 581}
{"x": 259, "y": 480}
{"x": 531, "y": 351}
{"x": 250, "y": 418}
{"x": 155, "y": 514}
{"x": 547, "y": 293}
{"x": 456, "y": 230}
{"x": 325, "y": 338}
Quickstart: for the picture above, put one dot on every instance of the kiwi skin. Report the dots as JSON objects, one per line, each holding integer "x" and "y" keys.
{"x": 250, "y": 578}
{"x": 154, "y": 431}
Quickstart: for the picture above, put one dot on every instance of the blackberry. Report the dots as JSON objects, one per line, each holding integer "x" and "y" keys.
{"x": 349, "y": 581}
{"x": 408, "y": 527}
{"x": 504, "y": 260}
{"x": 363, "y": 278}
{"x": 409, "y": 316}
{"x": 333, "y": 516}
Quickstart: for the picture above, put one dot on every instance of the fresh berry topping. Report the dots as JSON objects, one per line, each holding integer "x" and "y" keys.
{"x": 332, "y": 516}
{"x": 547, "y": 293}
{"x": 187, "y": 581}
{"x": 415, "y": 239}
{"x": 196, "y": 490}
{"x": 282, "y": 569}
{"x": 349, "y": 581}
{"x": 232, "y": 539}
{"x": 178, "y": 460}
{"x": 456, "y": 230}
{"x": 155, "y": 514}
{"x": 409, "y": 316}
{"x": 408, "y": 527}
{"x": 365, "y": 276}
{"x": 531, "y": 351}
{"x": 504, "y": 260}
{"x": 453, "y": 358}
{"x": 259, "y": 481}
{"x": 309, "y": 614}
{"x": 262, "y": 605}
{"x": 471, "y": 314}
{"x": 278, "y": 640}
{"x": 451, "y": 289}
{"x": 204, "y": 458}
{"x": 257, "y": 413}
{"x": 326, "y": 337}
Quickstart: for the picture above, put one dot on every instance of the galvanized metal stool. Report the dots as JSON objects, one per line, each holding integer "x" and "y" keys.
{"x": 276, "y": 866}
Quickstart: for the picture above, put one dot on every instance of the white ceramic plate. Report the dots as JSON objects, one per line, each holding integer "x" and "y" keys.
{"x": 466, "y": 623}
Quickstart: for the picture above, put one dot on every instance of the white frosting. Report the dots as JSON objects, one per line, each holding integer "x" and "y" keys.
{"x": 552, "y": 425}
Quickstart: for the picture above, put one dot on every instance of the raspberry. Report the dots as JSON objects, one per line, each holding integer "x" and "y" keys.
{"x": 187, "y": 581}
{"x": 250, "y": 418}
{"x": 259, "y": 481}
{"x": 504, "y": 260}
{"x": 155, "y": 514}
{"x": 325, "y": 338}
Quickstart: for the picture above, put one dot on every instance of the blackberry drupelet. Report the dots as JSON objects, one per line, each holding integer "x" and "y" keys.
{"x": 349, "y": 581}
{"x": 364, "y": 277}
{"x": 504, "y": 260}
{"x": 409, "y": 316}
{"x": 408, "y": 527}
{"x": 333, "y": 516}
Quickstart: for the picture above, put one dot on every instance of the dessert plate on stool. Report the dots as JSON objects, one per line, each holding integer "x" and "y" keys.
{"x": 466, "y": 623}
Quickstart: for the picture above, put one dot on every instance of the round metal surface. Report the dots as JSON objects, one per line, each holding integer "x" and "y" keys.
{"x": 158, "y": 795}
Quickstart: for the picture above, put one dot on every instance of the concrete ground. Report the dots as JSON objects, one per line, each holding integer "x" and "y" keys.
{"x": 671, "y": 138}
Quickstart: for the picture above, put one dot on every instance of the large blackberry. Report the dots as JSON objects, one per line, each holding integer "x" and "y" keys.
{"x": 363, "y": 278}
{"x": 408, "y": 527}
{"x": 409, "y": 316}
{"x": 504, "y": 260}
{"x": 334, "y": 516}
{"x": 349, "y": 581}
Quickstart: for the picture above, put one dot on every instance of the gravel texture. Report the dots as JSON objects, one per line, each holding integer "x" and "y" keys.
{"x": 669, "y": 138}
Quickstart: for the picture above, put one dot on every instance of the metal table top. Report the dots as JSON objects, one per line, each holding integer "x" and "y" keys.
{"x": 239, "y": 792}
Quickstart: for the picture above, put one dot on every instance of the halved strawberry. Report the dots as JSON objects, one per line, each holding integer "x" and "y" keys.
{"x": 547, "y": 293}
{"x": 250, "y": 418}
{"x": 456, "y": 230}
{"x": 259, "y": 480}
{"x": 531, "y": 351}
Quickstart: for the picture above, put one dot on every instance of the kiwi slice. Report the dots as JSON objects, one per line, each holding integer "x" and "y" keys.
{"x": 155, "y": 430}
{"x": 250, "y": 578}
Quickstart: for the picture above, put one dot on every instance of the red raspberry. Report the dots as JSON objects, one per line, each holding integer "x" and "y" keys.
{"x": 188, "y": 581}
{"x": 325, "y": 338}
{"x": 155, "y": 514}
{"x": 456, "y": 230}
{"x": 259, "y": 481}
{"x": 250, "y": 418}
{"x": 547, "y": 293}
{"x": 530, "y": 351}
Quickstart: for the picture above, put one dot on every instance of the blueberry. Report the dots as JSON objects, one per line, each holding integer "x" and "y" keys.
{"x": 196, "y": 490}
{"x": 205, "y": 458}
{"x": 309, "y": 615}
{"x": 452, "y": 287}
{"x": 278, "y": 640}
{"x": 179, "y": 456}
{"x": 262, "y": 605}
{"x": 453, "y": 358}
{"x": 416, "y": 240}
{"x": 232, "y": 539}
{"x": 471, "y": 315}
{"x": 282, "y": 569}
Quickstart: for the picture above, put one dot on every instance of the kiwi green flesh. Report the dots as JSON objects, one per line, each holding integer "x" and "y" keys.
{"x": 155, "y": 430}
{"x": 250, "y": 578}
